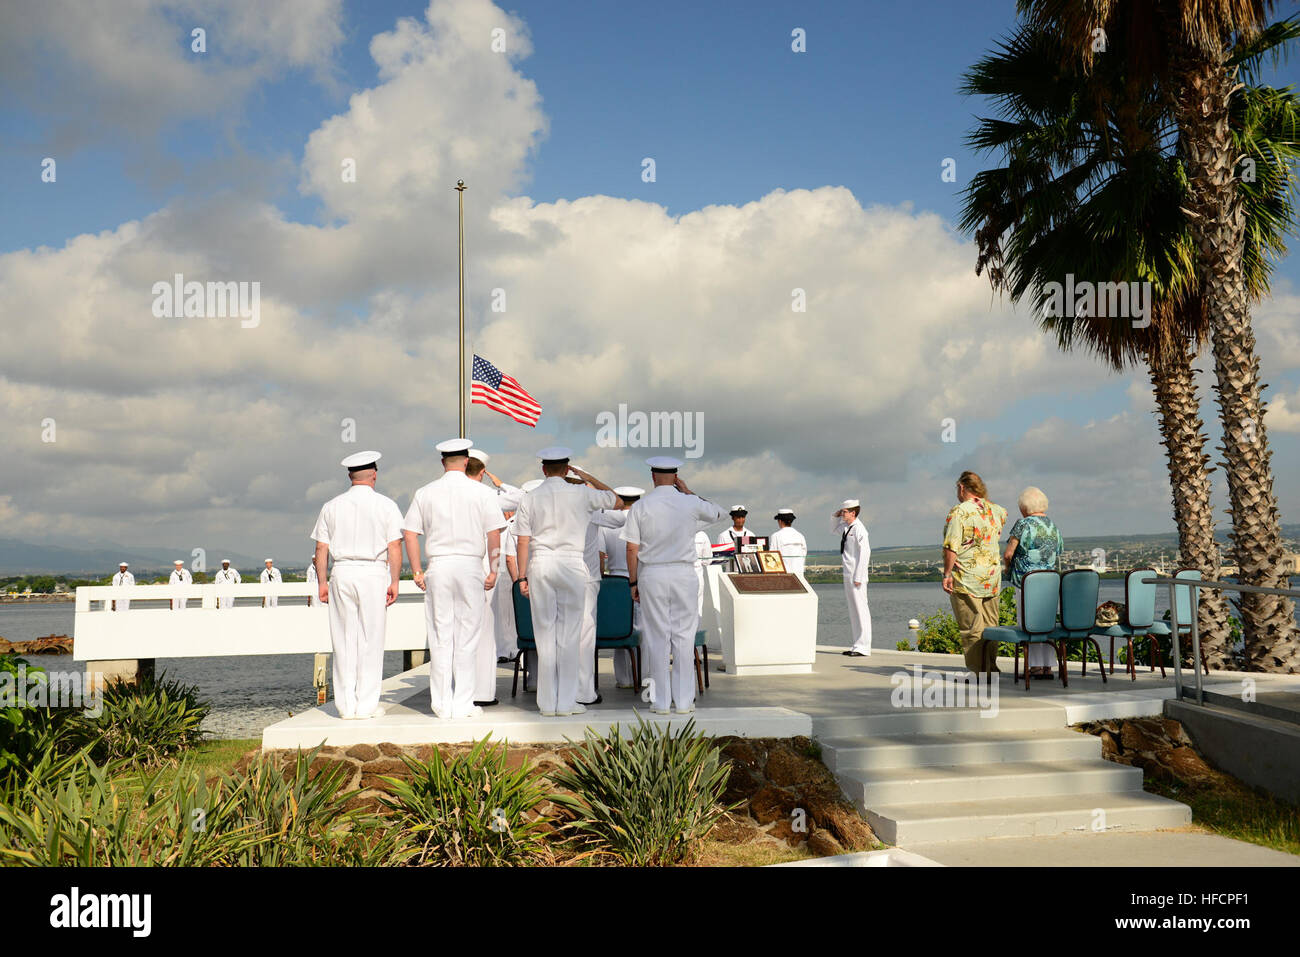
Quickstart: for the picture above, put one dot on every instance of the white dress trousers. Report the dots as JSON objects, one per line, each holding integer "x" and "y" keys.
{"x": 454, "y": 602}
{"x": 557, "y": 591}
{"x": 485, "y": 667}
{"x": 670, "y": 613}
{"x": 358, "y": 609}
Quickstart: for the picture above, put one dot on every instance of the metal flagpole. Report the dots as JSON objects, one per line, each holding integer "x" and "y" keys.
{"x": 460, "y": 395}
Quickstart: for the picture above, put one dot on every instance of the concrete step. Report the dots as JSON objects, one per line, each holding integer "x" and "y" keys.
{"x": 977, "y": 748}
{"x": 939, "y": 720}
{"x": 941, "y": 784}
{"x": 908, "y": 824}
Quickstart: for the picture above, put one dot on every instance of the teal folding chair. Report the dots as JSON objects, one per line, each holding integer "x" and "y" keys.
{"x": 524, "y": 640}
{"x": 1040, "y": 596}
{"x": 614, "y": 624}
{"x": 1080, "y": 588}
{"x": 1139, "y": 617}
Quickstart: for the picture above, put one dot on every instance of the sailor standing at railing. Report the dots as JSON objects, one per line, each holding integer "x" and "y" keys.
{"x": 227, "y": 576}
{"x": 122, "y": 578}
{"x": 180, "y": 576}
{"x": 312, "y": 580}
{"x": 362, "y": 531}
{"x": 271, "y": 576}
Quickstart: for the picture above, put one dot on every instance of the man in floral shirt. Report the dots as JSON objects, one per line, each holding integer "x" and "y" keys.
{"x": 972, "y": 568}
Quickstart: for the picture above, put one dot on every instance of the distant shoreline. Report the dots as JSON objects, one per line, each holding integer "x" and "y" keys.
{"x": 35, "y": 599}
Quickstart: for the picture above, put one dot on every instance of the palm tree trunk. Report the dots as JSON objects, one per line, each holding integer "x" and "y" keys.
{"x": 1218, "y": 224}
{"x": 1189, "y": 480}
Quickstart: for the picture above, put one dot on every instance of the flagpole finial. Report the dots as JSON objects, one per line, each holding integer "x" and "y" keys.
{"x": 460, "y": 184}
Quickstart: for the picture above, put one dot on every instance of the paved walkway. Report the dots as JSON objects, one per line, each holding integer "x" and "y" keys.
{"x": 1187, "y": 847}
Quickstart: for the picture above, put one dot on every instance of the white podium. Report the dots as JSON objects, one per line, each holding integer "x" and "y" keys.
{"x": 767, "y": 633}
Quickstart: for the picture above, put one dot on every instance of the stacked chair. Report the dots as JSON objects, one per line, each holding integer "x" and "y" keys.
{"x": 1140, "y": 617}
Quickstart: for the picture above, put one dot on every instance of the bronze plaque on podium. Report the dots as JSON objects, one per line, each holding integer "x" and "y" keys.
{"x": 771, "y": 583}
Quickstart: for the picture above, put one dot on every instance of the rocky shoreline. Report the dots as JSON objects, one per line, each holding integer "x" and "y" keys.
{"x": 47, "y": 645}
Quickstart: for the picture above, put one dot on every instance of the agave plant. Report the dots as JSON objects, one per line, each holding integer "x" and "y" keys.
{"x": 471, "y": 810}
{"x": 649, "y": 798}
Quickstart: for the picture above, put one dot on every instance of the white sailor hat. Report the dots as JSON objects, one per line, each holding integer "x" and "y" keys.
{"x": 450, "y": 447}
{"x": 178, "y": 561}
{"x": 361, "y": 460}
{"x": 663, "y": 463}
{"x": 628, "y": 492}
{"x": 555, "y": 453}
{"x": 225, "y": 561}
{"x": 531, "y": 484}
{"x": 123, "y": 564}
{"x": 739, "y": 509}
{"x": 849, "y": 503}
{"x": 269, "y": 560}
{"x": 785, "y": 513}
{"x": 480, "y": 455}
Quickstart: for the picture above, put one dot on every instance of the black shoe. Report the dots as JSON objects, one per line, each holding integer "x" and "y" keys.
{"x": 599, "y": 699}
{"x": 853, "y": 654}
{"x": 503, "y": 660}
{"x": 486, "y": 704}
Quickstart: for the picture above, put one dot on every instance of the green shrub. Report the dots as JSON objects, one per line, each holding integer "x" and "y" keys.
{"x": 145, "y": 722}
{"x": 86, "y": 815}
{"x": 648, "y": 798}
{"x": 470, "y": 810}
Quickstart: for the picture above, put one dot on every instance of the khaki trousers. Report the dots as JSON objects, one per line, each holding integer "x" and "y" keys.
{"x": 973, "y": 616}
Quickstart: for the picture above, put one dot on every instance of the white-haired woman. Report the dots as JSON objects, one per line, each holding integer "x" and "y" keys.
{"x": 1034, "y": 544}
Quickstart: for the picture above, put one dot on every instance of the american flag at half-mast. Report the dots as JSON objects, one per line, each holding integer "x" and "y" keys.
{"x": 491, "y": 387}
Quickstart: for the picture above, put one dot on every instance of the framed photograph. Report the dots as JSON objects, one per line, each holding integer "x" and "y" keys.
{"x": 771, "y": 561}
{"x": 747, "y": 563}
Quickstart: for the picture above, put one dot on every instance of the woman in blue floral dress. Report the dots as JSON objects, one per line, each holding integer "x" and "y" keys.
{"x": 1033, "y": 544}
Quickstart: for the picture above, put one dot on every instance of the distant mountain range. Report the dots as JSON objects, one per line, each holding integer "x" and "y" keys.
{"x": 97, "y": 560}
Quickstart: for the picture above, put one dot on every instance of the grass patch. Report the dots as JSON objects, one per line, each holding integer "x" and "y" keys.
{"x": 1232, "y": 809}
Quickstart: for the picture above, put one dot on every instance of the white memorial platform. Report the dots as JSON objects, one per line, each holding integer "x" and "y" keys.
{"x": 766, "y": 633}
{"x": 409, "y": 720}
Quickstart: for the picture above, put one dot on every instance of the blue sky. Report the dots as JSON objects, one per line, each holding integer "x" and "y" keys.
{"x": 711, "y": 91}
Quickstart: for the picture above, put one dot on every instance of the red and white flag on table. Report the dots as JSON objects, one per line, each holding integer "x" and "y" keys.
{"x": 491, "y": 387}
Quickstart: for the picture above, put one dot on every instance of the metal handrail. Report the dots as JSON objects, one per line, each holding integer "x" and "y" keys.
{"x": 1196, "y": 636}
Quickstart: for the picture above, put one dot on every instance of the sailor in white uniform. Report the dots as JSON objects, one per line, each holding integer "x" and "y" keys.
{"x": 362, "y": 531}
{"x": 271, "y": 576}
{"x": 485, "y": 662}
{"x": 703, "y": 558}
{"x": 123, "y": 577}
{"x": 552, "y": 524}
{"x": 312, "y": 580}
{"x": 461, "y": 526}
{"x": 226, "y": 576}
{"x": 855, "y": 557}
{"x": 511, "y": 549}
{"x": 661, "y": 561}
{"x": 737, "y": 534}
{"x": 180, "y": 576}
{"x": 789, "y": 542}
{"x": 615, "y": 551}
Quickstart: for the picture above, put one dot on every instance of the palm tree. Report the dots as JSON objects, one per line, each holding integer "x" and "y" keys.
{"x": 1090, "y": 188}
{"x": 1184, "y": 49}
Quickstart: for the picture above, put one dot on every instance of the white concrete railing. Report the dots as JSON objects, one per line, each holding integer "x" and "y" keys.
{"x": 209, "y": 631}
